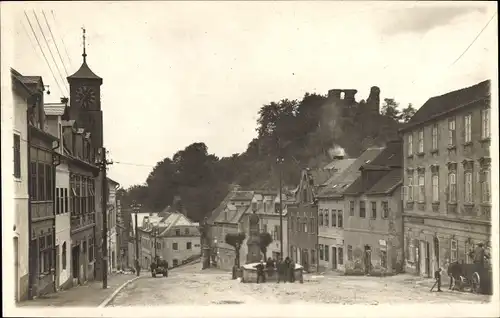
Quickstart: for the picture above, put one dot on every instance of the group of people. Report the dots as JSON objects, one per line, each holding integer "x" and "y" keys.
{"x": 455, "y": 269}
{"x": 284, "y": 268}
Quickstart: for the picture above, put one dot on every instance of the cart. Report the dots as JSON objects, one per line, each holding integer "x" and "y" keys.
{"x": 160, "y": 268}
{"x": 477, "y": 277}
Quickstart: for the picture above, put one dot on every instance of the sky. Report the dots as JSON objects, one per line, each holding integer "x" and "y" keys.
{"x": 182, "y": 72}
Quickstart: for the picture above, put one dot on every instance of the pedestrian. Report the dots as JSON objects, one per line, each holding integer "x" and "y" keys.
{"x": 260, "y": 272}
{"x": 437, "y": 276}
{"x": 281, "y": 270}
{"x": 138, "y": 267}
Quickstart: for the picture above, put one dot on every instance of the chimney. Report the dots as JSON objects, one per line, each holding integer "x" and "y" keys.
{"x": 373, "y": 101}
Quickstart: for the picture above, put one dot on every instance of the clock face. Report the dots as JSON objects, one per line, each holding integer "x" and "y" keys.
{"x": 85, "y": 96}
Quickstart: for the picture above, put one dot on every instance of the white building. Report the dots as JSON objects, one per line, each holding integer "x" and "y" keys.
{"x": 113, "y": 248}
{"x": 53, "y": 113}
{"x": 20, "y": 238}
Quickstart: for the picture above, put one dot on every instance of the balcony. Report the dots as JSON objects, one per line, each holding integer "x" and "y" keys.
{"x": 82, "y": 221}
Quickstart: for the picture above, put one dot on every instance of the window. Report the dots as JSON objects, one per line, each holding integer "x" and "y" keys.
{"x": 435, "y": 137}
{"x": 313, "y": 256}
{"x": 334, "y": 218}
{"x": 351, "y": 208}
{"x": 299, "y": 226}
{"x": 277, "y": 231}
{"x": 421, "y": 188}
{"x": 84, "y": 200}
{"x": 321, "y": 252}
{"x": 485, "y": 186}
{"x": 174, "y": 246}
{"x": 41, "y": 182}
{"x": 186, "y": 231}
{"x": 327, "y": 218}
{"x": 421, "y": 140}
{"x": 264, "y": 228}
{"x": 304, "y": 224}
{"x": 175, "y": 262}
{"x": 362, "y": 211}
{"x": 327, "y": 253}
{"x": 435, "y": 188}
{"x": 33, "y": 186}
{"x": 341, "y": 255}
{"x": 452, "y": 184}
{"x": 374, "y": 210}
{"x": 454, "y": 251}
{"x": 468, "y": 187}
{"x": 349, "y": 252}
{"x": 385, "y": 209}
{"x": 451, "y": 132}
{"x": 467, "y": 128}
{"x": 77, "y": 196}
{"x": 485, "y": 124}
{"x": 340, "y": 222}
{"x": 188, "y": 245}
{"x": 410, "y": 189}
{"x": 17, "y": 156}
{"x": 177, "y": 232}
{"x": 321, "y": 217}
{"x": 312, "y": 228}
{"x": 410, "y": 144}
{"x": 63, "y": 253}
{"x": 66, "y": 199}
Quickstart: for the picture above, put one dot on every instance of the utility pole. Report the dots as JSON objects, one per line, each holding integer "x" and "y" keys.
{"x": 103, "y": 164}
{"x": 280, "y": 161}
{"x": 135, "y": 209}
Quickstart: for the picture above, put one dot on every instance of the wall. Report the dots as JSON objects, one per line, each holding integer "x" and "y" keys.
{"x": 21, "y": 200}
{"x": 431, "y": 227}
{"x": 63, "y": 225}
{"x": 182, "y": 253}
{"x": 331, "y": 235}
{"x": 381, "y": 234}
{"x": 304, "y": 241}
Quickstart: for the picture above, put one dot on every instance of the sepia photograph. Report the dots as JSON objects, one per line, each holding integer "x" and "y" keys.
{"x": 250, "y": 159}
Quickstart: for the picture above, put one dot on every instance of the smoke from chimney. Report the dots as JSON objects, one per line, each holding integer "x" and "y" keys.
{"x": 336, "y": 152}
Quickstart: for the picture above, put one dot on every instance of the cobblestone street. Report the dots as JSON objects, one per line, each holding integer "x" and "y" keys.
{"x": 191, "y": 286}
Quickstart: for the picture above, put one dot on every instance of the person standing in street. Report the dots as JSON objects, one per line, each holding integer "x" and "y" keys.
{"x": 280, "y": 266}
{"x": 437, "y": 276}
{"x": 260, "y": 272}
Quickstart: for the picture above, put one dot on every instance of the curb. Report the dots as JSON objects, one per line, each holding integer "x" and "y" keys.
{"x": 119, "y": 289}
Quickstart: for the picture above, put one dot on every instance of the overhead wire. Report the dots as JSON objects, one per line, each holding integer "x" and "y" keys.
{"x": 50, "y": 51}
{"x": 43, "y": 53}
{"x": 62, "y": 39}
{"x": 55, "y": 43}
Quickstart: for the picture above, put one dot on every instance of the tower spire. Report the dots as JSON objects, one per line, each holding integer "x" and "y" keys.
{"x": 84, "y": 52}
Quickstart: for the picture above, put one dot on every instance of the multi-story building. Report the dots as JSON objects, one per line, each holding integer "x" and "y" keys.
{"x": 331, "y": 210}
{"x": 85, "y": 101}
{"x": 113, "y": 248}
{"x": 41, "y": 171}
{"x": 447, "y": 178}
{"x": 373, "y": 233}
{"x": 54, "y": 113}
{"x": 22, "y": 98}
{"x": 303, "y": 225}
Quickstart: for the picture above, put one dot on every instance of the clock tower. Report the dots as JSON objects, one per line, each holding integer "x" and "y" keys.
{"x": 85, "y": 99}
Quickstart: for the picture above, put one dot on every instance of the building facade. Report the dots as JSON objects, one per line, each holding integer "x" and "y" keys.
{"x": 373, "y": 232}
{"x": 54, "y": 113}
{"x": 113, "y": 246}
{"x": 303, "y": 225}
{"x": 21, "y": 235}
{"x": 447, "y": 178}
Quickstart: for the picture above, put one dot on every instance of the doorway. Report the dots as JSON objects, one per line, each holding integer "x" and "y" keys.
{"x": 368, "y": 258}
{"x": 436, "y": 253}
{"x": 305, "y": 259}
{"x": 428, "y": 259}
{"x": 16, "y": 269}
{"x": 58, "y": 267}
{"x": 334, "y": 258}
{"x": 75, "y": 263}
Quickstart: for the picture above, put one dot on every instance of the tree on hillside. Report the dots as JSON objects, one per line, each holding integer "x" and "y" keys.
{"x": 390, "y": 109}
{"x": 265, "y": 239}
{"x": 407, "y": 113}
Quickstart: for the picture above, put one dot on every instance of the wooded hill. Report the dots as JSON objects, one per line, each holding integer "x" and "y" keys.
{"x": 303, "y": 132}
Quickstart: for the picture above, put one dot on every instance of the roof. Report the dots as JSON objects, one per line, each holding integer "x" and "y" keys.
{"x": 387, "y": 183}
{"x": 339, "y": 183}
{"x": 84, "y": 72}
{"x": 54, "y": 109}
{"x": 391, "y": 156}
{"x": 242, "y": 196}
{"x": 113, "y": 181}
{"x": 28, "y": 82}
{"x": 233, "y": 214}
{"x": 445, "y": 103}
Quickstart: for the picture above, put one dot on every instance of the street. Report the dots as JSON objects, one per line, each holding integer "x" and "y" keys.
{"x": 190, "y": 285}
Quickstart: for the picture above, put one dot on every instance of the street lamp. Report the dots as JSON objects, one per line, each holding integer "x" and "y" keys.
{"x": 136, "y": 208}
{"x": 280, "y": 160}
